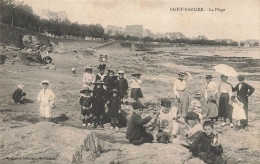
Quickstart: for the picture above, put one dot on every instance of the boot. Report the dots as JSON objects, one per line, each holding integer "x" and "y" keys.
{"x": 101, "y": 123}
{"x": 95, "y": 123}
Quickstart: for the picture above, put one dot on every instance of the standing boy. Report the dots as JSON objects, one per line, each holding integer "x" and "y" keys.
{"x": 46, "y": 99}
{"x": 244, "y": 90}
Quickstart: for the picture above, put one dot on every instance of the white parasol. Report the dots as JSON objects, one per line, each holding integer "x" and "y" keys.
{"x": 225, "y": 70}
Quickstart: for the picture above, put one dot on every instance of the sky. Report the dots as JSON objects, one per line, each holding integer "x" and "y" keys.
{"x": 239, "y": 21}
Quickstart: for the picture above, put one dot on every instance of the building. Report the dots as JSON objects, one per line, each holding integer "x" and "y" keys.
{"x": 114, "y": 30}
{"x": 229, "y": 41}
{"x": 49, "y": 15}
{"x": 134, "y": 30}
{"x": 147, "y": 33}
{"x": 175, "y": 35}
{"x": 251, "y": 43}
{"x": 200, "y": 37}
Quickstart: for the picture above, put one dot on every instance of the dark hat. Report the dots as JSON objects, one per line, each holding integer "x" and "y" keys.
{"x": 114, "y": 91}
{"x": 88, "y": 68}
{"x": 138, "y": 105}
{"x": 192, "y": 115}
{"x": 136, "y": 74}
{"x": 86, "y": 90}
{"x": 102, "y": 66}
{"x": 99, "y": 82}
{"x": 165, "y": 101}
{"x": 198, "y": 95}
{"x": 182, "y": 73}
{"x": 241, "y": 78}
{"x": 208, "y": 77}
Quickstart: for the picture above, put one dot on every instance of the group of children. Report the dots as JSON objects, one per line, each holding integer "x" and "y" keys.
{"x": 103, "y": 91}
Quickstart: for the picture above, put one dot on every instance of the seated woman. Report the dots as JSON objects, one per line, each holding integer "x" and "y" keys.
{"x": 208, "y": 145}
{"x": 19, "y": 95}
{"x": 194, "y": 126}
{"x": 136, "y": 132}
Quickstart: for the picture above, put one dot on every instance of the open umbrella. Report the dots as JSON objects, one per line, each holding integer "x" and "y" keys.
{"x": 225, "y": 70}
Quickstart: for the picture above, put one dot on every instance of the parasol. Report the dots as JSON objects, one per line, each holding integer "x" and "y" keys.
{"x": 225, "y": 70}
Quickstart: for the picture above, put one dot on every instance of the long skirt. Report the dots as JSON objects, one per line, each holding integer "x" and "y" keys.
{"x": 212, "y": 109}
{"x": 183, "y": 103}
{"x": 136, "y": 93}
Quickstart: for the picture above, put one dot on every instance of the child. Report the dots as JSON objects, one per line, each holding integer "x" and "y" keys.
{"x": 19, "y": 95}
{"x": 101, "y": 74}
{"x": 212, "y": 112}
{"x": 46, "y": 99}
{"x": 208, "y": 145}
{"x": 238, "y": 111}
{"x": 136, "y": 132}
{"x": 168, "y": 128}
{"x": 122, "y": 85}
{"x": 101, "y": 58}
{"x": 114, "y": 107}
{"x": 136, "y": 91}
{"x": 47, "y": 59}
{"x": 88, "y": 78}
{"x": 110, "y": 81}
{"x": 86, "y": 102}
{"x": 73, "y": 70}
{"x": 196, "y": 105}
{"x": 100, "y": 96}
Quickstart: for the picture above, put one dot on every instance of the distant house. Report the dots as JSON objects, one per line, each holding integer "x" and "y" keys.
{"x": 49, "y": 15}
{"x": 134, "y": 30}
{"x": 251, "y": 43}
{"x": 114, "y": 30}
{"x": 175, "y": 35}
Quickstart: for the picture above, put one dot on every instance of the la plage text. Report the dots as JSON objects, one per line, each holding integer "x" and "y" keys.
{"x": 196, "y": 9}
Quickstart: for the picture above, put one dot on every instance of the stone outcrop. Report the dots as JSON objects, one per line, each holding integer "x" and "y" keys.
{"x": 48, "y": 141}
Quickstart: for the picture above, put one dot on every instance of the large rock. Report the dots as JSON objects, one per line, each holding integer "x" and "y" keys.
{"x": 44, "y": 140}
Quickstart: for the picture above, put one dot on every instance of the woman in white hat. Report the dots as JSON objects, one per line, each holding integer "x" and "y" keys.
{"x": 181, "y": 94}
{"x": 211, "y": 91}
{"x": 46, "y": 99}
{"x": 88, "y": 78}
{"x": 19, "y": 95}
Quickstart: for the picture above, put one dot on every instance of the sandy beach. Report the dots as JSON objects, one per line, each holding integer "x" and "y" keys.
{"x": 159, "y": 69}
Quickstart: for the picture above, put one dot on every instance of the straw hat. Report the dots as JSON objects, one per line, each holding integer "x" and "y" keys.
{"x": 45, "y": 82}
{"x": 114, "y": 91}
{"x": 182, "y": 73}
{"x": 99, "y": 82}
{"x": 21, "y": 86}
{"x": 120, "y": 72}
{"x": 198, "y": 95}
{"x": 86, "y": 90}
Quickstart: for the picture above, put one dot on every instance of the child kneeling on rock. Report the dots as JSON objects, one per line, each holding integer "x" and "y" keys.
{"x": 168, "y": 128}
{"x": 136, "y": 132}
{"x": 86, "y": 102}
{"x": 208, "y": 145}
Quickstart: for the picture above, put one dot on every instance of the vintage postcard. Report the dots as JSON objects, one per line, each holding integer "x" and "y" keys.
{"x": 129, "y": 81}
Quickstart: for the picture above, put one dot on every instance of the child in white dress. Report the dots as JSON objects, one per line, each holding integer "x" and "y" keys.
{"x": 238, "y": 111}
